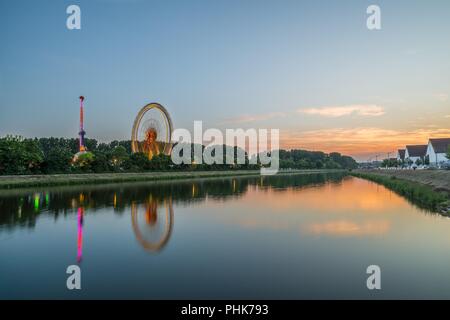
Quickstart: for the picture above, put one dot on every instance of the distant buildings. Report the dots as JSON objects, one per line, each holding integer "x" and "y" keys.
{"x": 437, "y": 151}
{"x": 434, "y": 154}
{"x": 415, "y": 154}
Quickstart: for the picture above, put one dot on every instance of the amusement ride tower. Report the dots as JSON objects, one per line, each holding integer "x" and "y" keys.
{"x": 82, "y": 147}
{"x": 82, "y": 132}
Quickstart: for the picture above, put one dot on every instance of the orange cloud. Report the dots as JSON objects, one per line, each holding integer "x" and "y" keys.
{"x": 359, "y": 142}
{"x": 339, "y": 111}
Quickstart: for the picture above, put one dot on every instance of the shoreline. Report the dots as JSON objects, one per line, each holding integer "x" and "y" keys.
{"x": 428, "y": 189}
{"x": 438, "y": 180}
{"x": 26, "y": 181}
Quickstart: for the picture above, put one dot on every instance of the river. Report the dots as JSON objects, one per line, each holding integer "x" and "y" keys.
{"x": 280, "y": 237}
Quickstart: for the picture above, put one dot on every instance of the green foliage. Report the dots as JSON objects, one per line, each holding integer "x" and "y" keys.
{"x": 161, "y": 162}
{"x": 100, "y": 163}
{"x": 390, "y": 163}
{"x": 19, "y": 156}
{"x": 302, "y": 159}
{"x": 57, "y": 160}
{"x": 55, "y": 155}
{"x": 137, "y": 162}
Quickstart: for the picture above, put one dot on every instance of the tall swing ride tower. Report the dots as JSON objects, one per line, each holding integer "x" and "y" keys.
{"x": 81, "y": 145}
{"x": 82, "y": 132}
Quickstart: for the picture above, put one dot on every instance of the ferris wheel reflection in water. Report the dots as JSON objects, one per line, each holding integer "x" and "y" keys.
{"x": 152, "y": 223}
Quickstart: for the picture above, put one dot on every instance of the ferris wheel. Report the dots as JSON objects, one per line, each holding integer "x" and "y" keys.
{"x": 152, "y": 131}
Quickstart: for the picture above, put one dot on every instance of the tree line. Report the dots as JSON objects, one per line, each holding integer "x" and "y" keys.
{"x": 20, "y": 155}
{"x": 303, "y": 159}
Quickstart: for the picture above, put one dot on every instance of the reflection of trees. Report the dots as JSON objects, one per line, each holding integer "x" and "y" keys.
{"x": 21, "y": 208}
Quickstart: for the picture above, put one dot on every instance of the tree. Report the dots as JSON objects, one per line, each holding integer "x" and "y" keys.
{"x": 33, "y": 155}
{"x": 161, "y": 162}
{"x": 57, "y": 160}
{"x": 91, "y": 144}
{"x": 303, "y": 159}
{"x": 330, "y": 164}
{"x": 319, "y": 164}
{"x": 448, "y": 153}
{"x": 137, "y": 162}
{"x": 118, "y": 156}
{"x": 100, "y": 163}
{"x": 19, "y": 156}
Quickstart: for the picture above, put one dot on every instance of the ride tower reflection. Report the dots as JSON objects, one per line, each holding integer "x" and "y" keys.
{"x": 80, "y": 219}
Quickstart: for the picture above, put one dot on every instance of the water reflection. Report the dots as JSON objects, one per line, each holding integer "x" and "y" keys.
{"x": 152, "y": 223}
{"x": 344, "y": 228}
{"x": 150, "y": 204}
{"x": 80, "y": 234}
{"x": 298, "y": 236}
{"x": 21, "y": 208}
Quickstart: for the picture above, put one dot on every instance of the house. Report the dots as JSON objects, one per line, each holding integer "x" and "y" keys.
{"x": 414, "y": 153}
{"x": 401, "y": 155}
{"x": 437, "y": 151}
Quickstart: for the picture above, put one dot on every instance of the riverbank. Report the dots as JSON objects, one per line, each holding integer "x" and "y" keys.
{"x": 10, "y": 182}
{"x": 429, "y": 189}
{"x": 438, "y": 180}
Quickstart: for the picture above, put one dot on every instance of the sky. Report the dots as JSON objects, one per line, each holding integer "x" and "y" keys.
{"x": 311, "y": 69}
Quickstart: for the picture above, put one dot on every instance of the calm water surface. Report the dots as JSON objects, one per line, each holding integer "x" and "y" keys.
{"x": 300, "y": 236}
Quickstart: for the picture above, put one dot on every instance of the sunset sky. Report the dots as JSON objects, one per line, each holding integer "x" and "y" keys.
{"x": 309, "y": 68}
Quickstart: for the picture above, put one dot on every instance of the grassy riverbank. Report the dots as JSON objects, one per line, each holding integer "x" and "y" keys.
{"x": 432, "y": 196}
{"x": 9, "y": 182}
{"x": 438, "y": 180}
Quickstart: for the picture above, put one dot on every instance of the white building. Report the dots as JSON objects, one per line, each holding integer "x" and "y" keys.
{"x": 414, "y": 153}
{"x": 437, "y": 151}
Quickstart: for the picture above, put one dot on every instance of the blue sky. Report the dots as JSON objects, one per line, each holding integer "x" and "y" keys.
{"x": 310, "y": 68}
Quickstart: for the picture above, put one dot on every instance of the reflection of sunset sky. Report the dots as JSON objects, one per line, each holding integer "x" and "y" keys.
{"x": 346, "y": 196}
{"x": 350, "y": 228}
{"x": 353, "y": 207}
{"x": 226, "y": 239}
